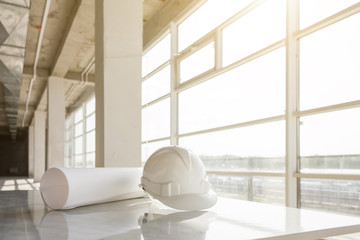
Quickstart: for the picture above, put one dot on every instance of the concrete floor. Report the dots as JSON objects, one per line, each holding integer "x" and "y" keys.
{"x": 17, "y": 183}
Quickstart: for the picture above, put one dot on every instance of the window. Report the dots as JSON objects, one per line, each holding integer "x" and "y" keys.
{"x": 68, "y": 141}
{"x": 254, "y": 31}
{"x": 156, "y": 120}
{"x": 330, "y": 195}
{"x": 253, "y": 148}
{"x": 90, "y": 106}
{"x": 329, "y": 142}
{"x": 329, "y": 111}
{"x": 242, "y": 82}
{"x": 239, "y": 95}
{"x": 203, "y": 20}
{"x": 158, "y": 55}
{"x": 315, "y": 11}
{"x": 197, "y": 63}
{"x": 79, "y": 114}
{"x": 80, "y": 136}
{"x": 329, "y": 65}
{"x": 156, "y": 86}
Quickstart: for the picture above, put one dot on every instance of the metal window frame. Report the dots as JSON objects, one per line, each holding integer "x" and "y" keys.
{"x": 86, "y": 133}
{"x": 292, "y": 104}
{"x": 161, "y": 36}
{"x": 90, "y": 115}
{"x": 86, "y": 103}
{"x": 291, "y": 43}
{"x": 83, "y": 134}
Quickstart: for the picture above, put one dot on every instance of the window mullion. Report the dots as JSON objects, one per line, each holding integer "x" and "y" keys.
{"x": 292, "y": 102}
{"x": 174, "y": 81}
{"x": 84, "y": 135}
{"x": 73, "y": 140}
{"x": 218, "y": 49}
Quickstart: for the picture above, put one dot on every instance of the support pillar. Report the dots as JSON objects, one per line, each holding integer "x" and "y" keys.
{"x": 39, "y": 142}
{"x": 56, "y": 122}
{"x": 118, "y": 53}
{"x": 31, "y": 150}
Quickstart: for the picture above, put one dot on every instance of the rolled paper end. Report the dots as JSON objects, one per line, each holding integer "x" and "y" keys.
{"x": 54, "y": 188}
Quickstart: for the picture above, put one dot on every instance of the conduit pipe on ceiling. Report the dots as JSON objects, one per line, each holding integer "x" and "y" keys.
{"x": 87, "y": 73}
{"x": 83, "y": 82}
{"x": 41, "y": 35}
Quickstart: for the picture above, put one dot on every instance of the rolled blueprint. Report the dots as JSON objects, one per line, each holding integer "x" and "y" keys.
{"x": 65, "y": 188}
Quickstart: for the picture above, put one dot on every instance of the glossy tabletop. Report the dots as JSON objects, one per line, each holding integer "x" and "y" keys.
{"x": 23, "y": 215}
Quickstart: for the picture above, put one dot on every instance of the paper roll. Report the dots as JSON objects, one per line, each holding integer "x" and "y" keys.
{"x": 65, "y": 188}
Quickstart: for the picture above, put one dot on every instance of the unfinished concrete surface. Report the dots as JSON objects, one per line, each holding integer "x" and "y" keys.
{"x": 67, "y": 51}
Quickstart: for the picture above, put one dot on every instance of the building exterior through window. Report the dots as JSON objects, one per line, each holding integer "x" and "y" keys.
{"x": 266, "y": 93}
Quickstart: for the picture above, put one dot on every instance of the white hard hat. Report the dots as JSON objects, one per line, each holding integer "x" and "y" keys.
{"x": 176, "y": 177}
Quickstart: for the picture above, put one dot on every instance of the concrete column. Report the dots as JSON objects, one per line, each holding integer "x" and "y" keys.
{"x": 56, "y": 122}
{"x": 39, "y": 142}
{"x": 118, "y": 52}
{"x": 31, "y": 151}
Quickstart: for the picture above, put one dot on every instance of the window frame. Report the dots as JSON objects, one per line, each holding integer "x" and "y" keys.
{"x": 292, "y": 114}
{"x": 83, "y": 135}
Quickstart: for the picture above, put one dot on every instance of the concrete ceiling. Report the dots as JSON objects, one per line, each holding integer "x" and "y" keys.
{"x": 67, "y": 49}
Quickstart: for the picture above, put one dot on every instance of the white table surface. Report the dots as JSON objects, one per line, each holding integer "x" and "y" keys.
{"x": 24, "y": 216}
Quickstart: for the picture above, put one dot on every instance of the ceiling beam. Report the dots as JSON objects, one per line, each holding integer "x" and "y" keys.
{"x": 70, "y": 76}
{"x": 19, "y": 108}
{"x": 163, "y": 17}
{"x": 28, "y": 71}
{"x": 68, "y": 48}
{"x": 76, "y": 77}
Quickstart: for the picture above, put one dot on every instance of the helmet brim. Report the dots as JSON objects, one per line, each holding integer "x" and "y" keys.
{"x": 190, "y": 202}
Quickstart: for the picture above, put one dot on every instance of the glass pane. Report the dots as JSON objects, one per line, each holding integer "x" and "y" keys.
{"x": 90, "y": 106}
{"x": 79, "y": 129}
{"x": 79, "y": 115}
{"x": 268, "y": 189}
{"x": 329, "y": 65}
{"x": 156, "y": 56}
{"x": 90, "y": 122}
{"x": 156, "y": 120}
{"x": 68, "y": 135}
{"x": 258, "y": 189}
{"x": 68, "y": 122}
{"x": 203, "y": 20}
{"x": 254, "y": 148}
{"x": 156, "y": 86}
{"x": 67, "y": 162}
{"x": 230, "y": 186}
{"x": 68, "y": 149}
{"x": 79, "y": 145}
{"x": 197, "y": 63}
{"x": 240, "y": 95}
{"x": 79, "y": 161}
{"x": 90, "y": 160}
{"x": 329, "y": 142}
{"x": 313, "y": 11}
{"x": 332, "y": 195}
{"x": 149, "y": 148}
{"x": 258, "y": 29}
{"x": 90, "y": 141}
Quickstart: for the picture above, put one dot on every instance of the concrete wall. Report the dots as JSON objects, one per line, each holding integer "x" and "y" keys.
{"x": 14, "y": 155}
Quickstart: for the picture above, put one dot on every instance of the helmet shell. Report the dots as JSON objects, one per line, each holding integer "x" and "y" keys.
{"x": 177, "y": 177}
